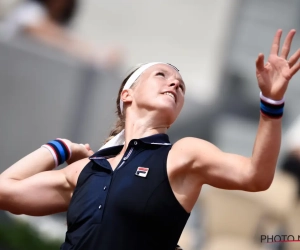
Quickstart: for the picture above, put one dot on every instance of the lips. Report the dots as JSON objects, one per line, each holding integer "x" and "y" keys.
{"x": 171, "y": 94}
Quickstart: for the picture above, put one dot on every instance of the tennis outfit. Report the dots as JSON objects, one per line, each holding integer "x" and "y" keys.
{"x": 130, "y": 208}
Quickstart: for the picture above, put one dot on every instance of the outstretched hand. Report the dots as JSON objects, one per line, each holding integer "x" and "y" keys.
{"x": 274, "y": 76}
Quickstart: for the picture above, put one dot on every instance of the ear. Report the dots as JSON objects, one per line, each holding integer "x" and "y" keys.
{"x": 126, "y": 96}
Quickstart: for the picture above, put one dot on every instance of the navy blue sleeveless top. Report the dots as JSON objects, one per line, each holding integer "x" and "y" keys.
{"x": 130, "y": 208}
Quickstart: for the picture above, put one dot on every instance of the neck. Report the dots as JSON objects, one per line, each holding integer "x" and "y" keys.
{"x": 136, "y": 128}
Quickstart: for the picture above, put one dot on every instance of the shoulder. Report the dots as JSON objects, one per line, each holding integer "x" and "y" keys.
{"x": 73, "y": 170}
{"x": 183, "y": 151}
{"x": 189, "y": 145}
{"x": 190, "y": 151}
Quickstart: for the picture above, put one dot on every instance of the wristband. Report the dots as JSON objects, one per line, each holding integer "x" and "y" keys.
{"x": 271, "y": 101}
{"x": 60, "y": 151}
{"x": 271, "y": 108}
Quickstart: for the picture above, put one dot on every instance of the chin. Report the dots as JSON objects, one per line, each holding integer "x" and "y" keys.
{"x": 167, "y": 113}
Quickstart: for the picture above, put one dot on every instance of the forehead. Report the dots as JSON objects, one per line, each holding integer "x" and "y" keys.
{"x": 163, "y": 67}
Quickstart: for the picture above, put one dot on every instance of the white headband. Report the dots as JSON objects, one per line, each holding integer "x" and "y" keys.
{"x": 119, "y": 139}
{"x": 136, "y": 75}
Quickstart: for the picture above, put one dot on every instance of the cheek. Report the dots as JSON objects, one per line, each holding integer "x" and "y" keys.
{"x": 181, "y": 101}
{"x": 143, "y": 95}
{"x": 147, "y": 92}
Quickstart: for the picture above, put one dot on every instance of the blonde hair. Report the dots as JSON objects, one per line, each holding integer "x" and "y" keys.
{"x": 120, "y": 123}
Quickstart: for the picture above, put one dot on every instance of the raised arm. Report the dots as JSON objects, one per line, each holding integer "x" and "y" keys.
{"x": 32, "y": 187}
{"x": 230, "y": 171}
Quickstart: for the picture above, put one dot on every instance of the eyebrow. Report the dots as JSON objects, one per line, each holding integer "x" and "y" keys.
{"x": 180, "y": 79}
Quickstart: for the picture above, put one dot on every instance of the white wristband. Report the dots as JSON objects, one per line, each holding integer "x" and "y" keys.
{"x": 52, "y": 152}
{"x": 270, "y": 101}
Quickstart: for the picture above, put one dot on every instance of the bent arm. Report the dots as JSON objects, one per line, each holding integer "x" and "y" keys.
{"x": 31, "y": 187}
{"x": 231, "y": 171}
{"x": 41, "y": 194}
{"x": 38, "y": 161}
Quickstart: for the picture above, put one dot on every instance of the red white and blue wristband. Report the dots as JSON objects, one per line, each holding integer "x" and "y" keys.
{"x": 271, "y": 108}
{"x": 60, "y": 151}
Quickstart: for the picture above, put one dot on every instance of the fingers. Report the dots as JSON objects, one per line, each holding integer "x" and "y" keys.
{"x": 86, "y": 146}
{"x": 287, "y": 44}
{"x": 90, "y": 152}
{"x": 276, "y": 42}
{"x": 294, "y": 58}
{"x": 260, "y": 65}
{"x": 295, "y": 69}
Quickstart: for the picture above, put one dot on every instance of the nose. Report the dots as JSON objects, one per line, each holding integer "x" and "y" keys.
{"x": 174, "y": 83}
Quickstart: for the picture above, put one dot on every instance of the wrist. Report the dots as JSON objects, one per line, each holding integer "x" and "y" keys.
{"x": 60, "y": 151}
{"x": 274, "y": 101}
{"x": 271, "y": 108}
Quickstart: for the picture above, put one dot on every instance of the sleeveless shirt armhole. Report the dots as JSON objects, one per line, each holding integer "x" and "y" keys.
{"x": 169, "y": 184}
{"x": 81, "y": 178}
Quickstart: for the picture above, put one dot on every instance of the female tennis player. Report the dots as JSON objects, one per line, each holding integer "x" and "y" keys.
{"x": 138, "y": 190}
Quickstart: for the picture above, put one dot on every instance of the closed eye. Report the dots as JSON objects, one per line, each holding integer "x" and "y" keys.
{"x": 160, "y": 74}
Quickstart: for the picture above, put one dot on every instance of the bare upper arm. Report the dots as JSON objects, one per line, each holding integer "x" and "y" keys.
{"x": 45, "y": 193}
{"x": 207, "y": 164}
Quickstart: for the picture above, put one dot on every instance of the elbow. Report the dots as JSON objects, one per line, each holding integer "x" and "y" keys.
{"x": 2, "y": 191}
{"x": 5, "y": 198}
{"x": 259, "y": 187}
{"x": 258, "y": 179}
{"x": 259, "y": 184}
{"x": 2, "y": 200}
{"x": 5, "y": 205}
{"x": 3, "y": 195}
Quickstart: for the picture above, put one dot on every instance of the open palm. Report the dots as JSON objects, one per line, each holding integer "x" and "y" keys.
{"x": 274, "y": 76}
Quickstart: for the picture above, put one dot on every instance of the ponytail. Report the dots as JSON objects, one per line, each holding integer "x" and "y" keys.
{"x": 120, "y": 124}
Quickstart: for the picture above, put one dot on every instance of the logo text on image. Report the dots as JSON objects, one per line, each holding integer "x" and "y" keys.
{"x": 279, "y": 238}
